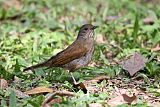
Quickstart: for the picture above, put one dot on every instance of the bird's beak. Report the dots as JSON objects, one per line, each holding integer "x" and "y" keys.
{"x": 94, "y": 27}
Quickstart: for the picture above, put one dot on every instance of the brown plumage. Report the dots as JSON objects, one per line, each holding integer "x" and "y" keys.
{"x": 77, "y": 55}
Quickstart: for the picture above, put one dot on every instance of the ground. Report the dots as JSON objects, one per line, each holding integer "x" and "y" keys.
{"x": 32, "y": 31}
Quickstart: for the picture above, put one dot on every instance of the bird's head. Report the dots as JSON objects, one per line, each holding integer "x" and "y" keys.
{"x": 86, "y": 31}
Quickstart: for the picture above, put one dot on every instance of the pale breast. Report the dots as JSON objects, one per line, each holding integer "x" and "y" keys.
{"x": 81, "y": 62}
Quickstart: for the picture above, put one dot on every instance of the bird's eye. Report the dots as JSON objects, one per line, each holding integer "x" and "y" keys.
{"x": 85, "y": 28}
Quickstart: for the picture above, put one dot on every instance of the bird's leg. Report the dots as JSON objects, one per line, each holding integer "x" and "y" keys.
{"x": 76, "y": 85}
{"x": 74, "y": 81}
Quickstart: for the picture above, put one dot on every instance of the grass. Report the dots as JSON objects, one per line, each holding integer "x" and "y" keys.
{"x": 32, "y": 31}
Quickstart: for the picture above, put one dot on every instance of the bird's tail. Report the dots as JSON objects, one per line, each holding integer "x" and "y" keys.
{"x": 43, "y": 64}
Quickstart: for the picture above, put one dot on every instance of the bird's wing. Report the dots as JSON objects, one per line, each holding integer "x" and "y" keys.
{"x": 74, "y": 51}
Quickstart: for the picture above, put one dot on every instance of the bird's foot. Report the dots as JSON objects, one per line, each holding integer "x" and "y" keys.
{"x": 80, "y": 86}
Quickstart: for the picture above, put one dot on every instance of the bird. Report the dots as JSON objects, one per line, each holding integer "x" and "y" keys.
{"x": 76, "y": 55}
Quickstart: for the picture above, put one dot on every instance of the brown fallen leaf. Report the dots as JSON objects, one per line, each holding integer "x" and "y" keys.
{"x": 92, "y": 64}
{"x": 46, "y": 105}
{"x": 158, "y": 58}
{"x": 112, "y": 18}
{"x": 21, "y": 94}
{"x": 134, "y": 63}
{"x": 50, "y": 98}
{"x": 39, "y": 90}
{"x": 91, "y": 85}
{"x": 17, "y": 4}
{"x": 95, "y": 105}
{"x": 3, "y": 84}
{"x": 148, "y": 21}
{"x": 100, "y": 38}
{"x": 128, "y": 99}
{"x": 16, "y": 79}
{"x": 122, "y": 98}
{"x": 116, "y": 101}
{"x": 55, "y": 100}
{"x": 157, "y": 48}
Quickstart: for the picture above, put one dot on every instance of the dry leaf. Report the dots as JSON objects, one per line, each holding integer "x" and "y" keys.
{"x": 46, "y": 105}
{"x": 21, "y": 94}
{"x": 92, "y": 64}
{"x": 133, "y": 64}
{"x": 52, "y": 101}
{"x": 112, "y": 18}
{"x": 12, "y": 3}
{"x": 148, "y": 21}
{"x": 158, "y": 58}
{"x": 39, "y": 90}
{"x": 100, "y": 38}
{"x": 157, "y": 48}
{"x": 55, "y": 100}
{"x": 122, "y": 99}
{"x": 3, "y": 84}
{"x": 50, "y": 97}
{"x": 91, "y": 85}
{"x": 95, "y": 105}
{"x": 128, "y": 99}
{"x": 116, "y": 101}
{"x": 17, "y": 79}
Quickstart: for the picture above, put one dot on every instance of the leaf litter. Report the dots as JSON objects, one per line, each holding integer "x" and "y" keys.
{"x": 122, "y": 92}
{"x": 134, "y": 63}
{"x": 3, "y": 83}
{"x": 125, "y": 91}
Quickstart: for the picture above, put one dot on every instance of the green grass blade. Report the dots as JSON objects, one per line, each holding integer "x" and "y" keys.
{"x": 136, "y": 28}
{"x": 12, "y": 99}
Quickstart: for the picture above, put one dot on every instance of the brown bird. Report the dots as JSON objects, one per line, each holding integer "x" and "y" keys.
{"x": 75, "y": 56}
